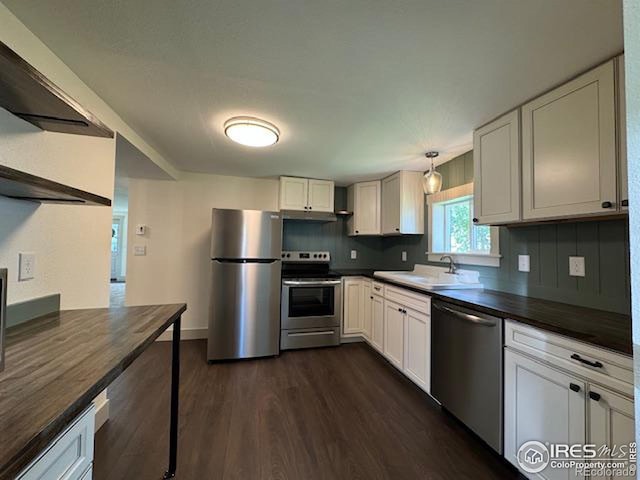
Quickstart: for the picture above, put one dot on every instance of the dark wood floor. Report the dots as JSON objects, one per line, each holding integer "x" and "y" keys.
{"x": 338, "y": 413}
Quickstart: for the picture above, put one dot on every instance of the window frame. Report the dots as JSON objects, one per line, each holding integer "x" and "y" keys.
{"x": 436, "y": 245}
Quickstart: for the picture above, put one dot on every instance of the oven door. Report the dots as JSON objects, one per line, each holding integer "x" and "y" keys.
{"x": 310, "y": 303}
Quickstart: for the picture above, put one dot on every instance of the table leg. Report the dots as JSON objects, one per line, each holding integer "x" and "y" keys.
{"x": 175, "y": 394}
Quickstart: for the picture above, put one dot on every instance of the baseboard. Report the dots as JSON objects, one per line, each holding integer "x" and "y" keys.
{"x": 102, "y": 412}
{"x": 354, "y": 339}
{"x": 185, "y": 334}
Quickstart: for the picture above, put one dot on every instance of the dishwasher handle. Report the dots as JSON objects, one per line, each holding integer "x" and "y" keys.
{"x": 485, "y": 322}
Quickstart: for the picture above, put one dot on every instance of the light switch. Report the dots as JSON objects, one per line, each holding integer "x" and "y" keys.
{"x": 140, "y": 250}
{"x": 404, "y": 256}
{"x": 576, "y": 266}
{"x": 524, "y": 263}
{"x": 27, "y": 266}
{"x": 141, "y": 229}
{"x": 354, "y": 254}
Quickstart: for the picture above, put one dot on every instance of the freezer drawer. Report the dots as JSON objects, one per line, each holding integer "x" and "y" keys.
{"x": 244, "y": 315}
{"x": 310, "y": 338}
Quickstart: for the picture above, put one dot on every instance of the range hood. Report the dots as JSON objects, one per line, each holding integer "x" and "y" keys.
{"x": 309, "y": 216}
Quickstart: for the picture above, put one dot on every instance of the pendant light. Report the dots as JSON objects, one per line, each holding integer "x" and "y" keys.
{"x": 432, "y": 181}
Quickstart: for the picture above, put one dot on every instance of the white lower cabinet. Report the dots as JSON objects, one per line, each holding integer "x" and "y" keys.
{"x": 394, "y": 333}
{"x": 377, "y": 323}
{"x": 69, "y": 456}
{"x": 352, "y": 298}
{"x": 553, "y": 394}
{"x": 544, "y": 404}
{"x": 611, "y": 420}
{"x": 366, "y": 308}
{"x": 417, "y": 348}
{"x": 394, "y": 321}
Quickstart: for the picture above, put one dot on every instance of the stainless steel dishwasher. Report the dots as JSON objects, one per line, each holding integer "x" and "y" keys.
{"x": 466, "y": 368}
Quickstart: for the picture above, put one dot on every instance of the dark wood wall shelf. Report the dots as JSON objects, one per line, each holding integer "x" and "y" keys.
{"x": 28, "y": 94}
{"x": 24, "y": 186}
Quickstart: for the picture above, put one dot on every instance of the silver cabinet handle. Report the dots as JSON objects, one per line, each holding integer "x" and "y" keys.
{"x": 466, "y": 316}
{"x": 308, "y": 334}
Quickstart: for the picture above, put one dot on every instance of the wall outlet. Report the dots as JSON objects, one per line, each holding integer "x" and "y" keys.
{"x": 26, "y": 266}
{"x": 524, "y": 264}
{"x": 141, "y": 229}
{"x": 576, "y": 266}
{"x": 404, "y": 256}
{"x": 139, "y": 250}
{"x": 354, "y": 254}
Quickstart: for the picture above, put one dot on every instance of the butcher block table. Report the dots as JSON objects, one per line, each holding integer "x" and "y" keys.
{"x": 57, "y": 364}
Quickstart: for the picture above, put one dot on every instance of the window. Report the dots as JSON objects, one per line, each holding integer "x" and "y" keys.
{"x": 452, "y": 231}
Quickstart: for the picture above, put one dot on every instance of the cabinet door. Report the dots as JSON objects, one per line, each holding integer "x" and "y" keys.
{"x": 417, "y": 351}
{"x": 352, "y": 306}
{"x": 394, "y": 333}
{"x": 366, "y": 213}
{"x": 293, "y": 193}
{"x": 365, "y": 311}
{"x": 377, "y": 323}
{"x": 540, "y": 404}
{"x": 496, "y": 166}
{"x": 623, "y": 183}
{"x": 569, "y": 148}
{"x": 321, "y": 196}
{"x": 611, "y": 422}
{"x": 391, "y": 204}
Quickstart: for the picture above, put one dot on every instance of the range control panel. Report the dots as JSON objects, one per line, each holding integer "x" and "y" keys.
{"x": 306, "y": 257}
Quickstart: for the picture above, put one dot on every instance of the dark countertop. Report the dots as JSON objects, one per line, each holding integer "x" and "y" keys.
{"x": 597, "y": 327}
{"x": 57, "y": 364}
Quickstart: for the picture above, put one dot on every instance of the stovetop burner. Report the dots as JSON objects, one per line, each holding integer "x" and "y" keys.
{"x": 306, "y": 265}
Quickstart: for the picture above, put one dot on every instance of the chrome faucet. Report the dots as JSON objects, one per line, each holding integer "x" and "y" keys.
{"x": 452, "y": 266}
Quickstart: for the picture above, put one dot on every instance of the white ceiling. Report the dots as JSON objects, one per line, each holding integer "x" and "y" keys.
{"x": 358, "y": 87}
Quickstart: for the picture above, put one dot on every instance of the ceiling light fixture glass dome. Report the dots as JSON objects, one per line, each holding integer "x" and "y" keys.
{"x": 432, "y": 181}
{"x": 251, "y": 131}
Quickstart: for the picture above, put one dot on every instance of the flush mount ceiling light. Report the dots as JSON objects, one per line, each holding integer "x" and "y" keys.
{"x": 251, "y": 131}
{"x": 432, "y": 181}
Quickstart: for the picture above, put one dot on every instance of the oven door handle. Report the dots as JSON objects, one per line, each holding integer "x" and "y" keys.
{"x": 314, "y": 283}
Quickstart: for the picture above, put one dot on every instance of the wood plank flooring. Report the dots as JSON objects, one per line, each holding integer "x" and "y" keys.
{"x": 335, "y": 413}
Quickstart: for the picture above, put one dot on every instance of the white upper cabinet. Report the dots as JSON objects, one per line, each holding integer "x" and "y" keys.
{"x": 623, "y": 185}
{"x": 321, "y": 195}
{"x": 306, "y": 194}
{"x": 403, "y": 204}
{"x": 496, "y": 166}
{"x": 569, "y": 148}
{"x": 363, "y": 200}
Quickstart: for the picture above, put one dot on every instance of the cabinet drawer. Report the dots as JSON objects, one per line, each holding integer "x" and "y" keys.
{"x": 69, "y": 455}
{"x": 309, "y": 338}
{"x": 377, "y": 288}
{"x": 596, "y": 364}
{"x": 420, "y": 303}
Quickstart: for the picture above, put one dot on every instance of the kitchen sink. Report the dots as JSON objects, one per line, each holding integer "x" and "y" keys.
{"x": 433, "y": 278}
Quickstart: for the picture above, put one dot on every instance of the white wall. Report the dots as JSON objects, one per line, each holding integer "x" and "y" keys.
{"x": 124, "y": 214}
{"x": 71, "y": 242}
{"x": 19, "y": 38}
{"x": 178, "y": 219}
{"x": 631, "y": 12}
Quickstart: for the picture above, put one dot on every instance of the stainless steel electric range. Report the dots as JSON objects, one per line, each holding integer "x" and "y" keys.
{"x": 311, "y": 307}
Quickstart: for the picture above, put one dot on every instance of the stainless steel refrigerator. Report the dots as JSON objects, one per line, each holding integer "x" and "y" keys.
{"x": 244, "y": 313}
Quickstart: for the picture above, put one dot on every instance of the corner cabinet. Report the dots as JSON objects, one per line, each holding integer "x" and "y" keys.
{"x": 364, "y": 200}
{"x": 306, "y": 194}
{"x": 569, "y": 148}
{"x": 403, "y": 204}
{"x": 496, "y": 165}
